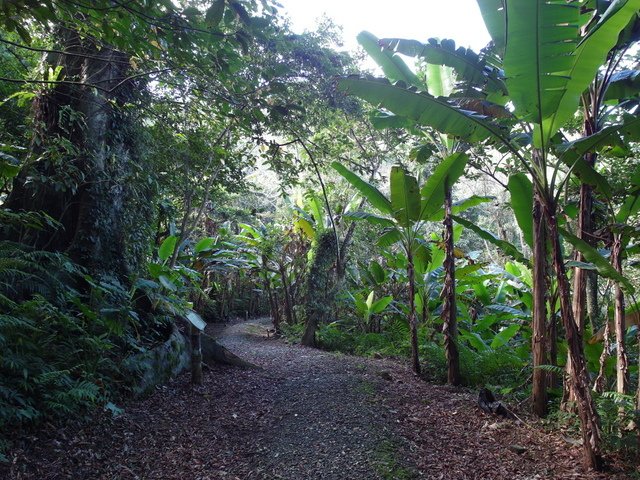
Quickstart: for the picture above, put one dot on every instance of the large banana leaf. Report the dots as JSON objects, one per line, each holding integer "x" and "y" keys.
{"x": 495, "y": 19}
{"x": 382, "y": 120}
{"x": 370, "y": 217}
{"x": 589, "y": 55}
{"x": 469, "y": 67}
{"x": 405, "y": 196}
{"x": 389, "y": 237}
{"x": 541, "y": 39}
{"x": 423, "y": 109}
{"x": 592, "y": 255}
{"x": 317, "y": 210}
{"x": 303, "y": 225}
{"x": 441, "y": 83}
{"x": 447, "y": 172}
{"x": 630, "y": 206}
{"x": 521, "y": 190}
{"x": 461, "y": 206}
{"x": 507, "y": 247}
{"x": 392, "y": 65}
{"x": 623, "y": 85}
{"x": 616, "y": 137}
{"x": 368, "y": 191}
{"x": 421, "y": 256}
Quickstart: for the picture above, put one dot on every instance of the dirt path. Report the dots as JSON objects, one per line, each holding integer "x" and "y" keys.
{"x": 307, "y": 415}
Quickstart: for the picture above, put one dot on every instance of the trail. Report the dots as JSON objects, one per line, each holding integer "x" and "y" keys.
{"x": 308, "y": 414}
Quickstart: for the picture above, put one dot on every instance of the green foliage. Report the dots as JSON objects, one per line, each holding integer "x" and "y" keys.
{"x": 63, "y": 334}
{"x": 58, "y": 345}
{"x": 499, "y": 367}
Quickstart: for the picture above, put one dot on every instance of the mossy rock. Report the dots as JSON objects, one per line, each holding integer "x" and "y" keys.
{"x": 158, "y": 365}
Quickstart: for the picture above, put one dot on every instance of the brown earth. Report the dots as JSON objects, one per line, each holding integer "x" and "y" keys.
{"x": 308, "y": 414}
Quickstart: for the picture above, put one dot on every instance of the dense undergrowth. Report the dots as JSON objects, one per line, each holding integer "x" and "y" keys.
{"x": 64, "y": 337}
{"x": 499, "y": 369}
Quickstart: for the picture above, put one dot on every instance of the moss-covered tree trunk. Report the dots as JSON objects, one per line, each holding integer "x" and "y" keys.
{"x": 81, "y": 158}
{"x": 321, "y": 285}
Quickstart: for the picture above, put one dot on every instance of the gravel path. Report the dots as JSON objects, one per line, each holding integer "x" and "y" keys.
{"x": 307, "y": 414}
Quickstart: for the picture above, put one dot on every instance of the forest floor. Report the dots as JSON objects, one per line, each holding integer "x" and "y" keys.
{"x": 307, "y": 414}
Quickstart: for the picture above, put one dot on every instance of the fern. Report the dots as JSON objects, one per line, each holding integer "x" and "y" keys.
{"x": 619, "y": 397}
{"x": 553, "y": 369}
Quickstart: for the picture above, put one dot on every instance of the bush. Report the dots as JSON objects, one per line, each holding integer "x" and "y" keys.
{"x": 293, "y": 333}
{"x": 498, "y": 368}
{"x": 62, "y": 336}
{"x": 335, "y": 337}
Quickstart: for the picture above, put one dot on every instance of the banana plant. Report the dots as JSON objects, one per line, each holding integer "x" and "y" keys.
{"x": 403, "y": 216}
{"x": 547, "y": 65}
{"x": 438, "y": 78}
{"x": 265, "y": 250}
{"x": 369, "y": 307}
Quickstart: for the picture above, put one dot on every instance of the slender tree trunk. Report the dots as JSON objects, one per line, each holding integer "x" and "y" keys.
{"x": 600, "y": 382}
{"x": 585, "y": 232}
{"x": 579, "y": 379}
{"x": 579, "y": 274}
{"x": 273, "y": 301}
{"x": 622, "y": 362}
{"x": 413, "y": 323}
{"x": 539, "y": 388}
{"x": 592, "y": 298}
{"x": 273, "y": 307}
{"x": 196, "y": 355}
{"x": 552, "y": 340}
{"x": 288, "y": 308}
{"x": 449, "y": 310}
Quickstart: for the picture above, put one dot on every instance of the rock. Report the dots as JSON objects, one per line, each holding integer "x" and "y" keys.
{"x": 158, "y": 365}
{"x": 487, "y": 402}
{"x": 519, "y": 449}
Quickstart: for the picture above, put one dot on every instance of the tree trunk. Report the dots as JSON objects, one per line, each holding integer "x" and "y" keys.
{"x": 539, "y": 387}
{"x": 579, "y": 379}
{"x": 622, "y": 362}
{"x": 585, "y": 232}
{"x": 580, "y": 275}
{"x": 83, "y": 152}
{"x": 273, "y": 302}
{"x": 592, "y": 298}
{"x": 600, "y": 382}
{"x": 320, "y": 286}
{"x": 552, "y": 341}
{"x": 309, "y": 335}
{"x": 196, "y": 355}
{"x": 449, "y": 311}
{"x": 288, "y": 307}
{"x": 413, "y": 323}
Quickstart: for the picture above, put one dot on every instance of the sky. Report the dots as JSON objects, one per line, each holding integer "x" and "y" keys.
{"x": 414, "y": 19}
